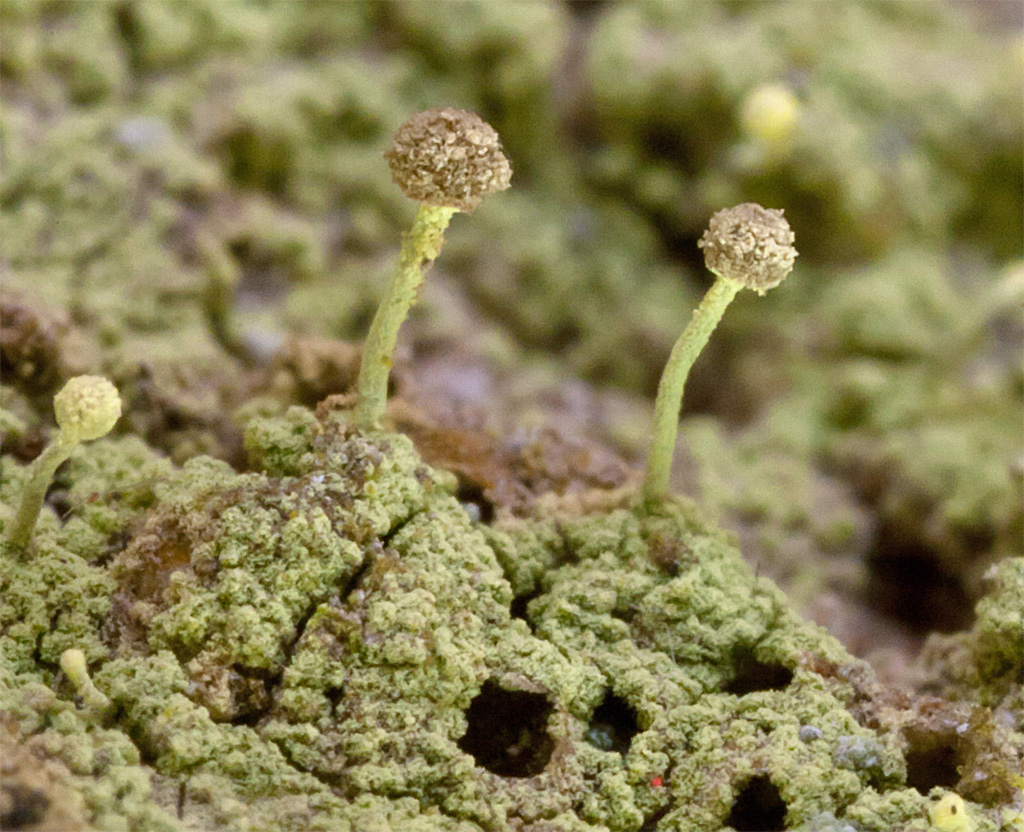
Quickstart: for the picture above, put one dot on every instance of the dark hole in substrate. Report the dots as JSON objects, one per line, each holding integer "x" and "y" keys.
{"x": 22, "y": 806}
{"x": 59, "y": 499}
{"x": 584, "y": 9}
{"x": 335, "y": 696}
{"x": 520, "y": 603}
{"x": 613, "y": 725}
{"x": 508, "y": 731}
{"x": 651, "y": 822}
{"x": 907, "y": 583}
{"x": 477, "y": 506}
{"x": 751, "y": 674}
{"x": 932, "y": 760}
{"x": 758, "y": 808}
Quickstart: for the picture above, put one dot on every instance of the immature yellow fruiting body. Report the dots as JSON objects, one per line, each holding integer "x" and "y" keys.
{"x": 448, "y": 160}
{"x": 73, "y": 663}
{"x": 769, "y": 114}
{"x": 86, "y": 408}
{"x": 950, "y": 815}
{"x": 745, "y": 247}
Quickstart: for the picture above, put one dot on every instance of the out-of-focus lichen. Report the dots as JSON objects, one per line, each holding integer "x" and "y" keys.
{"x": 278, "y": 170}
{"x": 876, "y": 134}
{"x": 986, "y": 664}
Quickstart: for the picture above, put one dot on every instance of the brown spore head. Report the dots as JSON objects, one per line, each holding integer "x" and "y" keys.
{"x": 448, "y": 158}
{"x": 751, "y": 245}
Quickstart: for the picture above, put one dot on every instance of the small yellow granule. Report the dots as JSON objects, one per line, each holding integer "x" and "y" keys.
{"x": 769, "y": 113}
{"x": 950, "y": 815}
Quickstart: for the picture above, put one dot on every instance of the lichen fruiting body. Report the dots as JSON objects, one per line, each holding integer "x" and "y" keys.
{"x": 745, "y": 247}
{"x": 447, "y": 160}
{"x": 86, "y": 408}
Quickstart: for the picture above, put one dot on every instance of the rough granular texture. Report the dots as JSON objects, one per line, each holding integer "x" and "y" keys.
{"x": 751, "y": 245}
{"x": 87, "y": 408}
{"x": 893, "y": 380}
{"x": 330, "y": 641}
{"x": 448, "y": 157}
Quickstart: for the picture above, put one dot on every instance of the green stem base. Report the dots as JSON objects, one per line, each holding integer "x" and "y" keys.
{"x": 670, "y": 390}
{"x": 34, "y": 492}
{"x": 420, "y": 247}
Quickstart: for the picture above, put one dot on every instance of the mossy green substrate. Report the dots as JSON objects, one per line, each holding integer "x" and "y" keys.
{"x": 176, "y": 148}
{"x": 329, "y": 643}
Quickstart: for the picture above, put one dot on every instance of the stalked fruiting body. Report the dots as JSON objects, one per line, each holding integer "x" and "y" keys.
{"x": 447, "y": 160}
{"x": 744, "y": 247}
{"x": 86, "y": 408}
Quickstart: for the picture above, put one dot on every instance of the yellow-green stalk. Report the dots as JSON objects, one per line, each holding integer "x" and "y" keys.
{"x": 744, "y": 247}
{"x": 73, "y": 663}
{"x": 448, "y": 160}
{"x": 86, "y": 408}
{"x": 222, "y": 277}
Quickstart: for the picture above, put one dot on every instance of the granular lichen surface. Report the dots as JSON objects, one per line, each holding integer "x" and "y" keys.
{"x": 297, "y": 627}
{"x": 330, "y": 638}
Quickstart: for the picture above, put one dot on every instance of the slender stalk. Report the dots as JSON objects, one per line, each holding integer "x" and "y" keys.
{"x": 222, "y": 278}
{"x": 670, "y": 389}
{"x": 73, "y": 663}
{"x": 34, "y": 492}
{"x": 86, "y": 408}
{"x": 419, "y": 249}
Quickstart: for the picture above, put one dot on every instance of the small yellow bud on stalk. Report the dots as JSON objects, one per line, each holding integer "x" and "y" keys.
{"x": 73, "y": 663}
{"x": 86, "y": 408}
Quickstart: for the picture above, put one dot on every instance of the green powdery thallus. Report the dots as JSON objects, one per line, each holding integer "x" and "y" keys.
{"x": 86, "y": 408}
{"x": 744, "y": 247}
{"x": 448, "y": 160}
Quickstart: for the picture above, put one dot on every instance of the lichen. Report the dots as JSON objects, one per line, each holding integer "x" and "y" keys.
{"x": 986, "y": 664}
{"x": 301, "y": 628}
{"x": 287, "y": 644}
